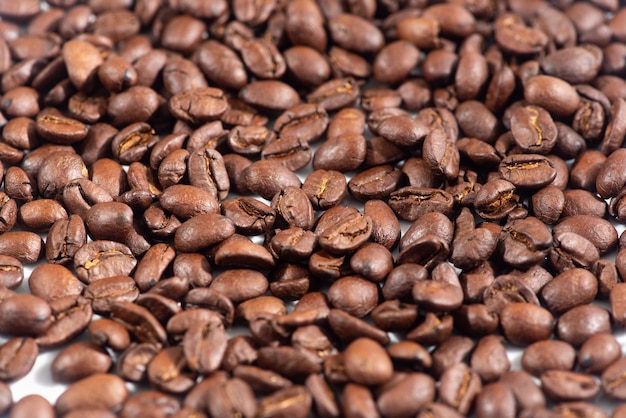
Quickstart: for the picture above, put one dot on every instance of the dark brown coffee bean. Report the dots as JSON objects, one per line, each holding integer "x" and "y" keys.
{"x": 335, "y": 94}
{"x": 52, "y": 281}
{"x": 25, "y": 315}
{"x": 78, "y": 361}
{"x": 240, "y": 284}
{"x": 271, "y": 95}
{"x": 459, "y": 385}
{"x": 230, "y": 398}
{"x": 17, "y": 357}
{"x": 155, "y": 402}
{"x": 249, "y": 215}
{"x": 597, "y": 230}
{"x": 554, "y": 94}
{"x": 562, "y": 385}
{"x": 571, "y": 330}
{"x": 294, "y": 401}
{"x": 346, "y": 235}
{"x": 32, "y": 405}
{"x": 190, "y": 236}
{"x": 240, "y": 252}
{"x": 103, "y": 293}
{"x": 134, "y": 141}
{"x": 70, "y": 317}
{"x": 139, "y": 321}
{"x": 598, "y": 352}
{"x": 354, "y": 295}
{"x": 525, "y": 323}
{"x": 489, "y": 358}
{"x": 513, "y": 36}
{"x": 558, "y": 299}
{"x": 11, "y": 272}
{"x": 548, "y": 355}
{"x": 220, "y": 64}
{"x": 65, "y": 237}
{"x": 99, "y": 390}
{"x": 99, "y": 259}
{"x": 204, "y": 345}
{"x": 109, "y": 333}
{"x": 355, "y": 33}
{"x": 409, "y": 203}
{"x": 168, "y": 373}
{"x": 266, "y": 178}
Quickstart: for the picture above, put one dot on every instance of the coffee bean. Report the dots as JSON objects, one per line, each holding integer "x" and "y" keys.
{"x": 78, "y": 361}
{"x": 100, "y": 390}
{"x": 31, "y": 405}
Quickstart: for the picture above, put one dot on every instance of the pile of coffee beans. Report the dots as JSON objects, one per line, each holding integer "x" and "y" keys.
{"x": 314, "y": 208}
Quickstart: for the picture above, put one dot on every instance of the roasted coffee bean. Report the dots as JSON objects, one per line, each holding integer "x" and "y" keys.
{"x": 99, "y": 390}
{"x": 139, "y": 321}
{"x": 346, "y": 235}
{"x": 157, "y": 403}
{"x": 80, "y": 360}
{"x": 25, "y": 315}
{"x": 65, "y": 237}
{"x": 524, "y": 323}
{"x": 17, "y": 357}
{"x": 101, "y": 258}
{"x": 32, "y": 405}
{"x": 596, "y": 321}
{"x": 109, "y": 333}
{"x": 489, "y": 358}
{"x": 354, "y": 295}
{"x": 105, "y": 292}
{"x": 563, "y": 385}
{"x": 548, "y": 355}
{"x": 70, "y": 317}
{"x": 239, "y": 251}
{"x": 191, "y": 235}
{"x": 374, "y": 183}
{"x": 52, "y": 281}
{"x": 11, "y": 272}
{"x": 133, "y": 361}
{"x": 292, "y": 151}
{"x": 459, "y": 385}
{"x": 598, "y": 352}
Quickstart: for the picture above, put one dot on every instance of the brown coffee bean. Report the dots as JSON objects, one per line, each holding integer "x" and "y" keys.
{"x": 556, "y": 297}
{"x": 367, "y": 363}
{"x": 139, "y": 321}
{"x": 459, "y": 385}
{"x": 294, "y": 401}
{"x": 25, "y": 315}
{"x": 17, "y": 357}
{"x": 489, "y": 358}
{"x": 598, "y": 352}
{"x": 597, "y": 230}
{"x": 190, "y": 236}
{"x": 101, "y": 258}
{"x": 354, "y": 295}
{"x": 155, "y": 402}
{"x": 562, "y": 385}
{"x": 52, "y": 281}
{"x": 525, "y": 323}
{"x": 548, "y": 355}
{"x": 233, "y": 397}
{"x": 65, "y": 237}
{"x": 107, "y": 332}
{"x": 355, "y": 33}
{"x": 70, "y": 317}
{"x": 100, "y": 390}
{"x": 335, "y": 94}
{"x": 78, "y": 361}
{"x": 572, "y": 330}
{"x": 554, "y": 94}
{"x": 32, "y": 405}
